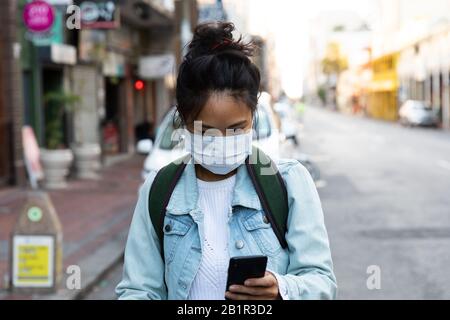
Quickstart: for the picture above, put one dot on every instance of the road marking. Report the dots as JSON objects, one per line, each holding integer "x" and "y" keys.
{"x": 444, "y": 164}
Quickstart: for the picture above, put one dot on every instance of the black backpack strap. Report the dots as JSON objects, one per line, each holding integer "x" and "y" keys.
{"x": 271, "y": 190}
{"x": 160, "y": 192}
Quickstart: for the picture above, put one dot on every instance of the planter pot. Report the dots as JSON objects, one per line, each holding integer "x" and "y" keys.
{"x": 87, "y": 160}
{"x": 56, "y": 164}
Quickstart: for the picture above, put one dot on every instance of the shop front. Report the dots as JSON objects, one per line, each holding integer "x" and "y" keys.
{"x": 383, "y": 89}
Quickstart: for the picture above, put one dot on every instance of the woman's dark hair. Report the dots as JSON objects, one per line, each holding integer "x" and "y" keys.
{"x": 215, "y": 62}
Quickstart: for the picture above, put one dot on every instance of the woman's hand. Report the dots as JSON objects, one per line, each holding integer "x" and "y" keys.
{"x": 265, "y": 288}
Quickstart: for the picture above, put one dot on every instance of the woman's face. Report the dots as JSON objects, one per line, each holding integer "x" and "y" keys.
{"x": 223, "y": 113}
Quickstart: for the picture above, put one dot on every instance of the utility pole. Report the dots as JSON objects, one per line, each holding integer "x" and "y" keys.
{"x": 186, "y": 20}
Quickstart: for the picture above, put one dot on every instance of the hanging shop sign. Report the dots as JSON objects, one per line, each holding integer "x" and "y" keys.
{"x": 156, "y": 66}
{"x": 38, "y": 16}
{"x": 44, "y": 22}
{"x": 99, "y": 14}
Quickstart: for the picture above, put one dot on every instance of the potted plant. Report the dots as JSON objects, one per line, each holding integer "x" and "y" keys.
{"x": 56, "y": 158}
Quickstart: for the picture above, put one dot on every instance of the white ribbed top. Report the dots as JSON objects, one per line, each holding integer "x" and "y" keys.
{"x": 215, "y": 203}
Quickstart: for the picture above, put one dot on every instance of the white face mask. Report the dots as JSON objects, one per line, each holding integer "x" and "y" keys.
{"x": 219, "y": 154}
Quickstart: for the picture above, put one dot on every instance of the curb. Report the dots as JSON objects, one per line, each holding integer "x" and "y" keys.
{"x": 91, "y": 271}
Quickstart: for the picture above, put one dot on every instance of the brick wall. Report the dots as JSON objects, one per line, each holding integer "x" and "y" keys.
{"x": 11, "y": 90}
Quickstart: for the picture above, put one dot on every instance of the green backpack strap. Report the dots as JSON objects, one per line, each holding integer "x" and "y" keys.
{"x": 266, "y": 179}
{"x": 162, "y": 187}
{"x": 271, "y": 190}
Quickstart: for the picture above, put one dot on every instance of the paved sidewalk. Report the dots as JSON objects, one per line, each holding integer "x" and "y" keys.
{"x": 95, "y": 216}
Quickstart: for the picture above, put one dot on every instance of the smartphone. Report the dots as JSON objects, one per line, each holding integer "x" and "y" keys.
{"x": 247, "y": 267}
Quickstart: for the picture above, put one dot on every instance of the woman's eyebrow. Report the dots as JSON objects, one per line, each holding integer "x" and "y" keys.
{"x": 206, "y": 126}
{"x": 237, "y": 124}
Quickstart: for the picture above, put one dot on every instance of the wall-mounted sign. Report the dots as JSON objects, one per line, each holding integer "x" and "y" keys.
{"x": 156, "y": 66}
{"x": 99, "y": 14}
{"x": 58, "y": 53}
{"x": 63, "y": 54}
{"x": 33, "y": 261}
{"x": 38, "y": 16}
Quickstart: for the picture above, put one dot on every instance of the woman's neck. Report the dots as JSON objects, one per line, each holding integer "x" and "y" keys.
{"x": 206, "y": 175}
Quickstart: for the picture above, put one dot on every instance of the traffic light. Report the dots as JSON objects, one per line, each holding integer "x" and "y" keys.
{"x": 139, "y": 85}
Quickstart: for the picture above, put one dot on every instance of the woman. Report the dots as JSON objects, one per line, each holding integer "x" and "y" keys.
{"x": 214, "y": 212}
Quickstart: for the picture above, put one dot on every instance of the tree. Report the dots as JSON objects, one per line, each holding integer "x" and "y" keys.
{"x": 334, "y": 62}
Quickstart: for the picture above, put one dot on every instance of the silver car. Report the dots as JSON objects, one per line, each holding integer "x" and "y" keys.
{"x": 417, "y": 113}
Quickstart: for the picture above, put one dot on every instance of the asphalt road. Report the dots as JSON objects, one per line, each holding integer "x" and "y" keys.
{"x": 386, "y": 198}
{"x": 385, "y": 191}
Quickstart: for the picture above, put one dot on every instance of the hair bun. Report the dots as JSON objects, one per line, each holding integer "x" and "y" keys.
{"x": 217, "y": 37}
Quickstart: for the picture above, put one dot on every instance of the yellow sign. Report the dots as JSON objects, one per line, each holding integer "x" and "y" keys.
{"x": 33, "y": 261}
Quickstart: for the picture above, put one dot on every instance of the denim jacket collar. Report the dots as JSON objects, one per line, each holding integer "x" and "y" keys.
{"x": 185, "y": 195}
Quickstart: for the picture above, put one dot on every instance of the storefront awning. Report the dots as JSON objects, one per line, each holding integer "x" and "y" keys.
{"x": 383, "y": 85}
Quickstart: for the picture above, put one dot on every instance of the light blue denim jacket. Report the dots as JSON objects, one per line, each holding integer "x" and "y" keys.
{"x": 305, "y": 267}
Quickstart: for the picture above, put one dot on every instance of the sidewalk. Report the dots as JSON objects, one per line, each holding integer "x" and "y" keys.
{"x": 95, "y": 216}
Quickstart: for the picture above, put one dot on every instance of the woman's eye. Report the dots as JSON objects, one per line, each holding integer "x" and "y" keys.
{"x": 236, "y": 131}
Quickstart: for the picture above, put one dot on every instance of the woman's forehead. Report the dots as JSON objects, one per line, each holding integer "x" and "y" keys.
{"x": 222, "y": 109}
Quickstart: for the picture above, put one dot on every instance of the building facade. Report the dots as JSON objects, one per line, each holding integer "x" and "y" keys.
{"x": 121, "y": 67}
{"x": 11, "y": 112}
{"x": 419, "y": 32}
{"x": 424, "y": 72}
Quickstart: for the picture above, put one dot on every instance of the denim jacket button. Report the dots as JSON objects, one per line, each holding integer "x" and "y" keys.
{"x": 239, "y": 244}
{"x": 167, "y": 228}
{"x": 265, "y": 219}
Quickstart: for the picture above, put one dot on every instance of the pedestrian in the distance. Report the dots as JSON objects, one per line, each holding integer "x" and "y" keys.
{"x": 220, "y": 204}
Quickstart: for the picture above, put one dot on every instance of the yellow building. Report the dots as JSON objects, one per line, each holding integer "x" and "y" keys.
{"x": 382, "y": 92}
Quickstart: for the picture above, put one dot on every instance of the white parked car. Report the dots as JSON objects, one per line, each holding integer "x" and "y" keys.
{"x": 289, "y": 124}
{"x": 417, "y": 113}
{"x": 169, "y": 146}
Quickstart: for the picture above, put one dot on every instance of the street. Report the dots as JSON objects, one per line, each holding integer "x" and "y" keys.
{"x": 385, "y": 199}
{"x": 384, "y": 192}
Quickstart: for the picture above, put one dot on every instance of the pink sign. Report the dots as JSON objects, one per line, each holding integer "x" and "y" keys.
{"x": 38, "y": 16}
